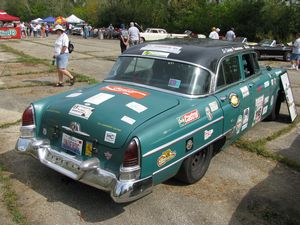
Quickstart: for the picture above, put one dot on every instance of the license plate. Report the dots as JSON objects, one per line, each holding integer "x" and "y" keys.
{"x": 72, "y": 144}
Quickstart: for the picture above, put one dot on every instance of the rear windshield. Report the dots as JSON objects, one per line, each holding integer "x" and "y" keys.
{"x": 179, "y": 77}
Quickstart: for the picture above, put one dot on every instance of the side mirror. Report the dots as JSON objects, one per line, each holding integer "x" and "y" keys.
{"x": 269, "y": 68}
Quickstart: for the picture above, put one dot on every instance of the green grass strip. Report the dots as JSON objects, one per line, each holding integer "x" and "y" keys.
{"x": 6, "y": 125}
{"x": 259, "y": 147}
{"x": 10, "y": 199}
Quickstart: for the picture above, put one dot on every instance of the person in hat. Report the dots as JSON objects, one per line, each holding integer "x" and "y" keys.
{"x": 214, "y": 34}
{"x": 61, "y": 56}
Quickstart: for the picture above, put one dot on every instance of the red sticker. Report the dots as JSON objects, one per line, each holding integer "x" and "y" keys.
{"x": 126, "y": 91}
{"x": 188, "y": 118}
{"x": 259, "y": 88}
{"x": 10, "y": 33}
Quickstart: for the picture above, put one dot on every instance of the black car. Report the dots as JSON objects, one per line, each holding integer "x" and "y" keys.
{"x": 269, "y": 48}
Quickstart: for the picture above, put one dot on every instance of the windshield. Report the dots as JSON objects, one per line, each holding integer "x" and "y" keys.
{"x": 174, "y": 76}
{"x": 266, "y": 42}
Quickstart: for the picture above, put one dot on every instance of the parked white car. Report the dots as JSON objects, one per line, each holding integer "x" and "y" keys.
{"x": 153, "y": 34}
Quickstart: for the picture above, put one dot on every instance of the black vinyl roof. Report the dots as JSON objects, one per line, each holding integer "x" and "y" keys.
{"x": 204, "y": 52}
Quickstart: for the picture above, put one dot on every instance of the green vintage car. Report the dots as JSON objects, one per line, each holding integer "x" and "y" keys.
{"x": 163, "y": 111}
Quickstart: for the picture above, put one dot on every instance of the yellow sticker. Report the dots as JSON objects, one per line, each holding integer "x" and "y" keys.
{"x": 166, "y": 157}
{"x": 88, "y": 149}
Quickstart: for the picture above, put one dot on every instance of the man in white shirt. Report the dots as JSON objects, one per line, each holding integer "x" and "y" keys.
{"x": 134, "y": 35}
{"x": 295, "y": 59}
{"x": 214, "y": 33}
{"x": 230, "y": 35}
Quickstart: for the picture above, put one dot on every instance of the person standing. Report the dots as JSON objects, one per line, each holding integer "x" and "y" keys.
{"x": 85, "y": 31}
{"x": 295, "y": 58}
{"x": 124, "y": 38}
{"x": 47, "y": 29}
{"x": 214, "y": 34}
{"x": 61, "y": 56}
{"x": 134, "y": 35}
{"x": 230, "y": 35}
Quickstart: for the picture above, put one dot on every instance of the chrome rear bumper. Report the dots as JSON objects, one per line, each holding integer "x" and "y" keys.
{"x": 87, "y": 171}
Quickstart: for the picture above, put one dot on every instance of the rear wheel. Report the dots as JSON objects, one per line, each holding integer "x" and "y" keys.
{"x": 194, "y": 167}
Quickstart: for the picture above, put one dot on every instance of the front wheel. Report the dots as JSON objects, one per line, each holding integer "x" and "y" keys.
{"x": 275, "y": 109}
{"x": 194, "y": 167}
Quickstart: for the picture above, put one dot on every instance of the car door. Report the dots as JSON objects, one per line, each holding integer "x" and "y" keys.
{"x": 233, "y": 93}
{"x": 259, "y": 87}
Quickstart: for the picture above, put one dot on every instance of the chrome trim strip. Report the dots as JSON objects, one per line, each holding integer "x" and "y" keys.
{"x": 193, "y": 152}
{"x": 182, "y": 137}
{"x": 74, "y": 131}
{"x": 157, "y": 89}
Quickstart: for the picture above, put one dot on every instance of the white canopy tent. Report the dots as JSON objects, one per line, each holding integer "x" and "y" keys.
{"x": 74, "y": 19}
{"x": 37, "y": 20}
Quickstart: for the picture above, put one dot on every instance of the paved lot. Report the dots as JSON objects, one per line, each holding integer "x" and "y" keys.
{"x": 239, "y": 188}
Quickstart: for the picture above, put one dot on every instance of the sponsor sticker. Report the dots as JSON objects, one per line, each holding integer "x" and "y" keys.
{"x": 259, "y": 88}
{"x": 244, "y": 126}
{"x": 234, "y": 100}
{"x": 189, "y": 144}
{"x": 99, "y": 98}
{"x": 81, "y": 111}
{"x": 246, "y": 115}
{"x": 213, "y": 106}
{"x": 245, "y": 91}
{"x": 208, "y": 133}
{"x": 188, "y": 118}
{"x": 174, "y": 83}
{"x": 126, "y": 91}
{"x": 128, "y": 120}
{"x": 136, "y": 107}
{"x": 272, "y": 100}
{"x": 266, "y": 100}
{"x": 208, "y": 112}
{"x": 110, "y": 137}
{"x": 265, "y": 110}
{"x": 107, "y": 155}
{"x": 239, "y": 123}
{"x": 73, "y": 95}
{"x": 88, "y": 149}
{"x": 155, "y": 53}
{"x": 166, "y": 157}
{"x": 162, "y": 48}
{"x": 267, "y": 84}
{"x": 259, "y": 103}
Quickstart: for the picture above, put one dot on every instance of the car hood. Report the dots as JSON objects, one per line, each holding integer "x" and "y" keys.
{"x": 107, "y": 112}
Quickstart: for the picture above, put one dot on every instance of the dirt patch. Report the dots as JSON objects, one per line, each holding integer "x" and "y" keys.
{"x": 7, "y": 69}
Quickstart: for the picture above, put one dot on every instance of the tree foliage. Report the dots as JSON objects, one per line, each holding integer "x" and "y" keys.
{"x": 255, "y": 19}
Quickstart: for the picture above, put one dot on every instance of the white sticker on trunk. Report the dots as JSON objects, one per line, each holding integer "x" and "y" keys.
{"x": 73, "y": 95}
{"x": 213, "y": 106}
{"x": 136, "y": 107}
{"x": 81, "y": 111}
{"x": 110, "y": 137}
{"x": 128, "y": 120}
{"x": 99, "y": 98}
{"x": 245, "y": 91}
{"x": 208, "y": 133}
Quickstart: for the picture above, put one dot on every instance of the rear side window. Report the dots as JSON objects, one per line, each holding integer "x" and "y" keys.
{"x": 250, "y": 65}
{"x": 229, "y": 72}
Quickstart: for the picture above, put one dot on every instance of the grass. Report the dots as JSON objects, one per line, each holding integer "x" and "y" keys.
{"x": 259, "y": 147}
{"x": 6, "y": 125}
{"x": 10, "y": 199}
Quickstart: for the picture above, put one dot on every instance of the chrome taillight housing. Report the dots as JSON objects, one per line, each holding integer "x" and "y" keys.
{"x": 28, "y": 125}
{"x": 130, "y": 168}
{"x": 28, "y": 116}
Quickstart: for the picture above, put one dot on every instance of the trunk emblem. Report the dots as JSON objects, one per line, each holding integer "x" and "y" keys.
{"x": 75, "y": 126}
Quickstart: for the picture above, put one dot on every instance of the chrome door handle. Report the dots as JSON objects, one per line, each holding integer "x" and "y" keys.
{"x": 251, "y": 85}
{"x": 223, "y": 98}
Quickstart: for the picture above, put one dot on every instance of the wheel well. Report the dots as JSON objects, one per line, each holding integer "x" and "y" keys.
{"x": 217, "y": 145}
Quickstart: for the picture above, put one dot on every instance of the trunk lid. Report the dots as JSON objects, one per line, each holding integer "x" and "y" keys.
{"x": 106, "y": 113}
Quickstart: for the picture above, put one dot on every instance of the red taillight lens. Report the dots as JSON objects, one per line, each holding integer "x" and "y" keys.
{"x": 131, "y": 155}
{"x": 28, "y": 117}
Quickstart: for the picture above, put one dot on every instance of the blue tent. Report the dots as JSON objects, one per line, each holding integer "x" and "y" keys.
{"x": 49, "y": 19}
